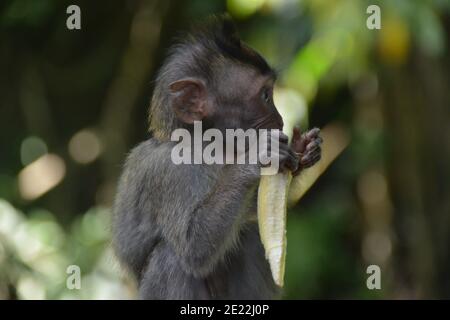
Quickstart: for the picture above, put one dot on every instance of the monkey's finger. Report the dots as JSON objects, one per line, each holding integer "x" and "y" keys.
{"x": 305, "y": 159}
{"x": 313, "y": 145}
{"x": 283, "y": 138}
{"x": 296, "y": 134}
{"x": 288, "y": 167}
{"x": 294, "y": 160}
{"x": 298, "y": 141}
{"x": 309, "y": 161}
{"x": 279, "y": 135}
{"x": 291, "y": 161}
{"x": 311, "y": 134}
{"x": 315, "y": 159}
{"x": 319, "y": 139}
{"x": 299, "y": 146}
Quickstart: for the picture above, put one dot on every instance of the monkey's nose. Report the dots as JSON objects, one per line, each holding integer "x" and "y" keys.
{"x": 277, "y": 122}
{"x": 280, "y": 123}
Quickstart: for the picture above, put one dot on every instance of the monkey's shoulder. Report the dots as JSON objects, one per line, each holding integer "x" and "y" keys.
{"x": 146, "y": 151}
{"x": 152, "y": 159}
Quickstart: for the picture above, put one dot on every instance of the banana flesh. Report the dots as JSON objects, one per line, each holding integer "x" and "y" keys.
{"x": 272, "y": 206}
{"x": 275, "y": 193}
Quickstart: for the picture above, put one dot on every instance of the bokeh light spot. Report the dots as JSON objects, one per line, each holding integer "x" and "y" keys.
{"x": 41, "y": 176}
{"x": 31, "y": 149}
{"x": 85, "y": 146}
{"x": 244, "y": 8}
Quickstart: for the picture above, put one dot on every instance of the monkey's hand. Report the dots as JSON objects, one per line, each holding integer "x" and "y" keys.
{"x": 284, "y": 155}
{"x": 308, "y": 148}
{"x": 289, "y": 160}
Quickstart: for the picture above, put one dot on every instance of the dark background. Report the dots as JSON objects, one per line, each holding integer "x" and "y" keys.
{"x": 73, "y": 102}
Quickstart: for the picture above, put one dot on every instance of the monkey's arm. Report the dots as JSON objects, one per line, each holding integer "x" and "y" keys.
{"x": 204, "y": 217}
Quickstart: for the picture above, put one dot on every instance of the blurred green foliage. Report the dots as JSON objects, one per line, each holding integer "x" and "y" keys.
{"x": 385, "y": 201}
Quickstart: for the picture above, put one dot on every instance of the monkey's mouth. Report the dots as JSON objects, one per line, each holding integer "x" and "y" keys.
{"x": 273, "y": 125}
{"x": 269, "y": 123}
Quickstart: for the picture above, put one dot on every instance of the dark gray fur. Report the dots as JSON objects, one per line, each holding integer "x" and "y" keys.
{"x": 185, "y": 231}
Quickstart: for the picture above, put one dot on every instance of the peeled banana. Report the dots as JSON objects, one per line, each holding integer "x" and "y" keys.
{"x": 272, "y": 205}
{"x": 275, "y": 193}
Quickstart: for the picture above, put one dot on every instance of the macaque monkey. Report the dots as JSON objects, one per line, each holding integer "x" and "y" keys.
{"x": 188, "y": 231}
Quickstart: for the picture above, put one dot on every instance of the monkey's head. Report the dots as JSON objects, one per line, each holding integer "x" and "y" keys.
{"x": 213, "y": 77}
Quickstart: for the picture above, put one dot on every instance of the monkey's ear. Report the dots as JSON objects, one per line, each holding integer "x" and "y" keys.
{"x": 189, "y": 99}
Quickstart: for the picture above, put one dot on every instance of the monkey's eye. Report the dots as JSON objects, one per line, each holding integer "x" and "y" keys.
{"x": 267, "y": 96}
